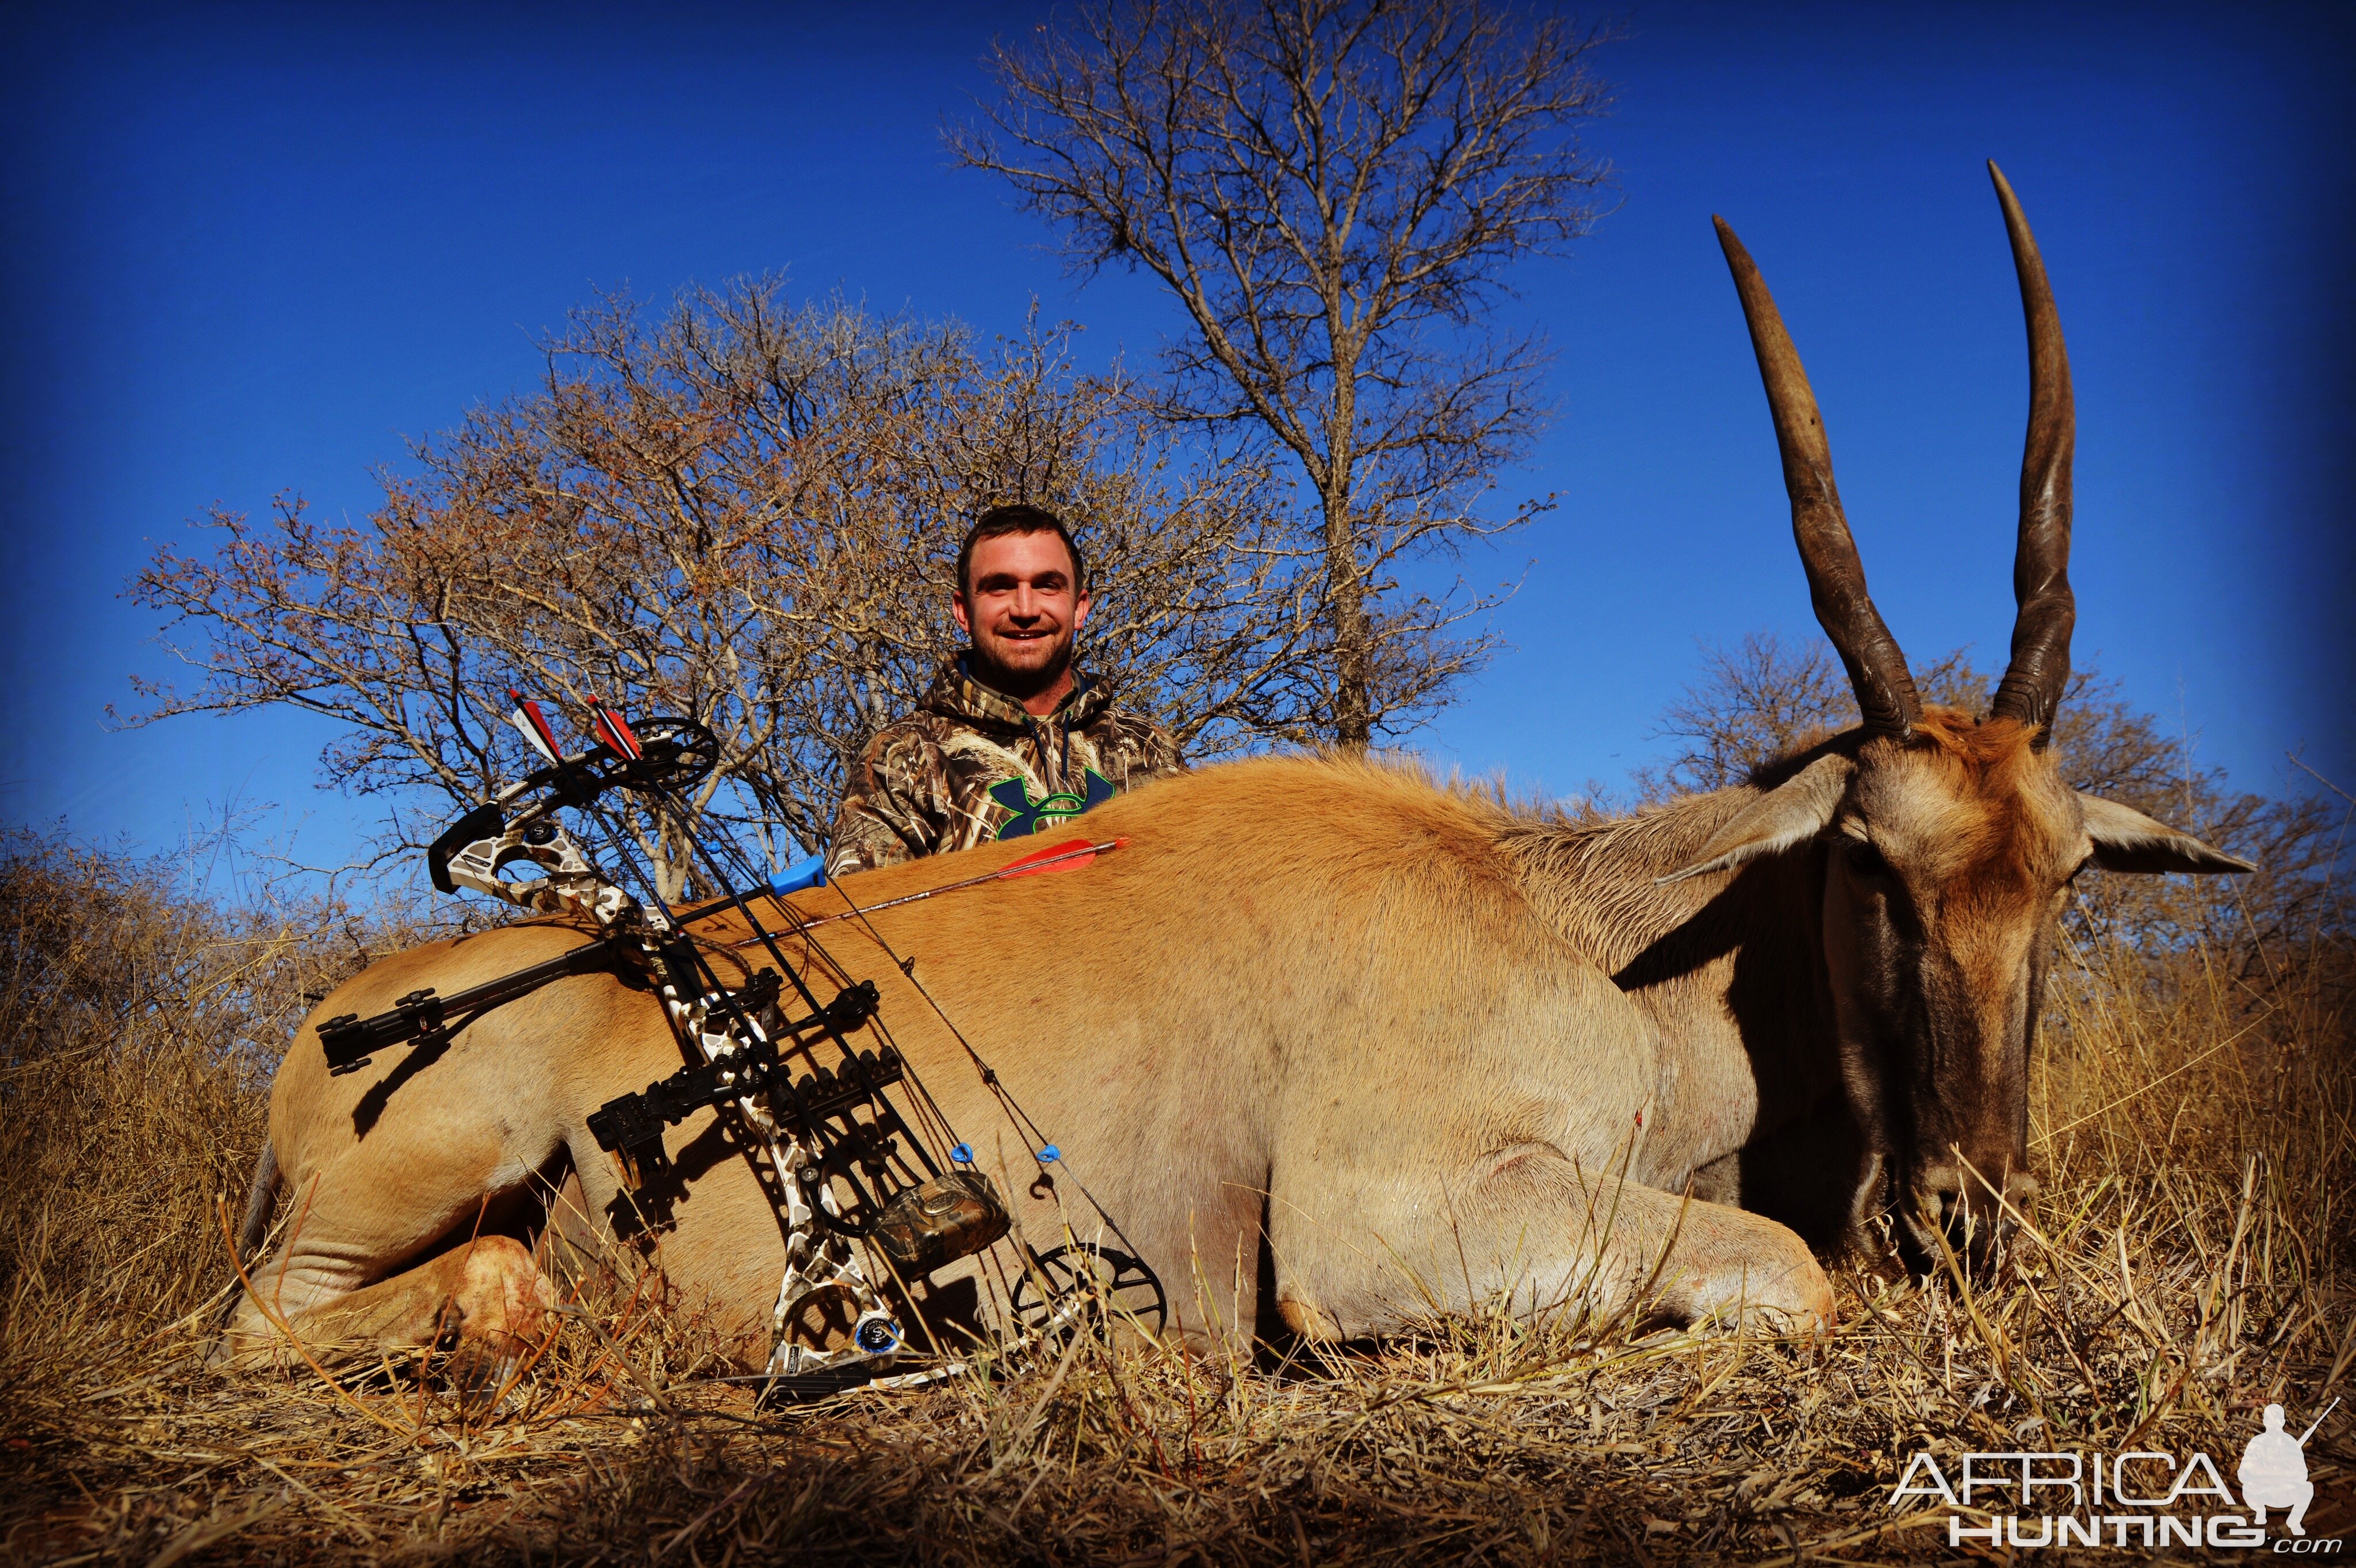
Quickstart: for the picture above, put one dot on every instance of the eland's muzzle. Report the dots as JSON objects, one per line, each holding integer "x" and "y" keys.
{"x": 1961, "y": 1205}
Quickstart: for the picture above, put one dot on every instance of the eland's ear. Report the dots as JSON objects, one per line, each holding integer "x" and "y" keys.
{"x": 1791, "y": 813}
{"x": 2126, "y": 840}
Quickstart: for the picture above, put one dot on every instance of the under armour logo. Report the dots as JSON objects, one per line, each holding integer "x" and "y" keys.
{"x": 1039, "y": 816}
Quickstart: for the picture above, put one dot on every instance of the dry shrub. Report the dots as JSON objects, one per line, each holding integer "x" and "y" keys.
{"x": 2188, "y": 1262}
{"x": 142, "y": 1027}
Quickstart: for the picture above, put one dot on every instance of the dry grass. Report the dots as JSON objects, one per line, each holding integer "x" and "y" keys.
{"x": 2190, "y": 1261}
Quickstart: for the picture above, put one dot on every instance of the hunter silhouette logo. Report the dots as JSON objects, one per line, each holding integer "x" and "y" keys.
{"x": 2274, "y": 1471}
{"x": 1039, "y": 816}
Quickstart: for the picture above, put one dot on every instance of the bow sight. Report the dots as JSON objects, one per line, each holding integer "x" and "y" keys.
{"x": 850, "y": 1178}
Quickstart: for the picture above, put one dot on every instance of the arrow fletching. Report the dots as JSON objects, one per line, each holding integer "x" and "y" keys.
{"x": 616, "y": 734}
{"x": 528, "y": 718}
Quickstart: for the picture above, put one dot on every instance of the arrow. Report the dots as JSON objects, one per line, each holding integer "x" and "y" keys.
{"x": 1069, "y": 855}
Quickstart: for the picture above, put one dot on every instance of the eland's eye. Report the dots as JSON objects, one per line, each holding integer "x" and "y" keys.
{"x": 1864, "y": 860}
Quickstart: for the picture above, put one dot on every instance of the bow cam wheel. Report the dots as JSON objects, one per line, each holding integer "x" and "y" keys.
{"x": 1095, "y": 1288}
{"x": 678, "y": 753}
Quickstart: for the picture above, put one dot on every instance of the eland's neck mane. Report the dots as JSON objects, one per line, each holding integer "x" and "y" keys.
{"x": 1597, "y": 879}
{"x": 1728, "y": 966}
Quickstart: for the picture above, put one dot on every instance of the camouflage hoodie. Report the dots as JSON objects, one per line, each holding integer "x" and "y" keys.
{"x": 972, "y": 766}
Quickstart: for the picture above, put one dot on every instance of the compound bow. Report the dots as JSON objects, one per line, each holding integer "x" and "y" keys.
{"x": 851, "y": 1179}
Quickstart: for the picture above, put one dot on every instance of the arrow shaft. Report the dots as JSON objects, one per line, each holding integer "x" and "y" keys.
{"x": 1019, "y": 869}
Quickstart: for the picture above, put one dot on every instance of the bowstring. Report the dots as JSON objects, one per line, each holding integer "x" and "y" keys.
{"x": 929, "y": 1109}
{"x": 1020, "y": 1119}
{"x": 1023, "y": 1123}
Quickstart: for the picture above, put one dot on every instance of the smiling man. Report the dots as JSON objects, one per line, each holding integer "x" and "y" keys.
{"x": 1010, "y": 740}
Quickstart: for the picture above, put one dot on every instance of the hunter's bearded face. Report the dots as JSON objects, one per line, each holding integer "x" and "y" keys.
{"x": 1022, "y": 608}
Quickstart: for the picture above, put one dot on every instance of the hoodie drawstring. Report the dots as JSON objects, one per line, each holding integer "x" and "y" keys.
{"x": 1054, "y": 761}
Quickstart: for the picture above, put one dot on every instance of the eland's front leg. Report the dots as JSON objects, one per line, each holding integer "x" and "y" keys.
{"x": 1527, "y": 1229}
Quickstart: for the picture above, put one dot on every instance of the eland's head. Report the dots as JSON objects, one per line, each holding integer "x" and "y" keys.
{"x": 1948, "y": 841}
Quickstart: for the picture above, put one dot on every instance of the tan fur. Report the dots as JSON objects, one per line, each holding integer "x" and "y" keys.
{"x": 1440, "y": 1052}
{"x": 1321, "y": 990}
{"x": 1982, "y": 834}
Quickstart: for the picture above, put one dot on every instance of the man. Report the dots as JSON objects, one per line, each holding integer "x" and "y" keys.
{"x": 1010, "y": 740}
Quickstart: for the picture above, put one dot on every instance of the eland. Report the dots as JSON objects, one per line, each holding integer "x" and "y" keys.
{"x": 1396, "y": 1050}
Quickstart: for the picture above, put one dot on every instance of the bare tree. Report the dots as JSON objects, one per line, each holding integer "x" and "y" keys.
{"x": 748, "y": 515}
{"x": 1764, "y": 699}
{"x": 1332, "y": 191}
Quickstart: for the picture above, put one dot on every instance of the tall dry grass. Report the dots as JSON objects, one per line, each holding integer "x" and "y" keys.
{"x": 2190, "y": 1261}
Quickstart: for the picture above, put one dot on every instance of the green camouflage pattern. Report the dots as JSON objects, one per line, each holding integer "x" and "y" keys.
{"x": 972, "y": 766}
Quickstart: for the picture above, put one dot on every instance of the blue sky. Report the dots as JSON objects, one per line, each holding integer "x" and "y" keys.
{"x": 252, "y": 248}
